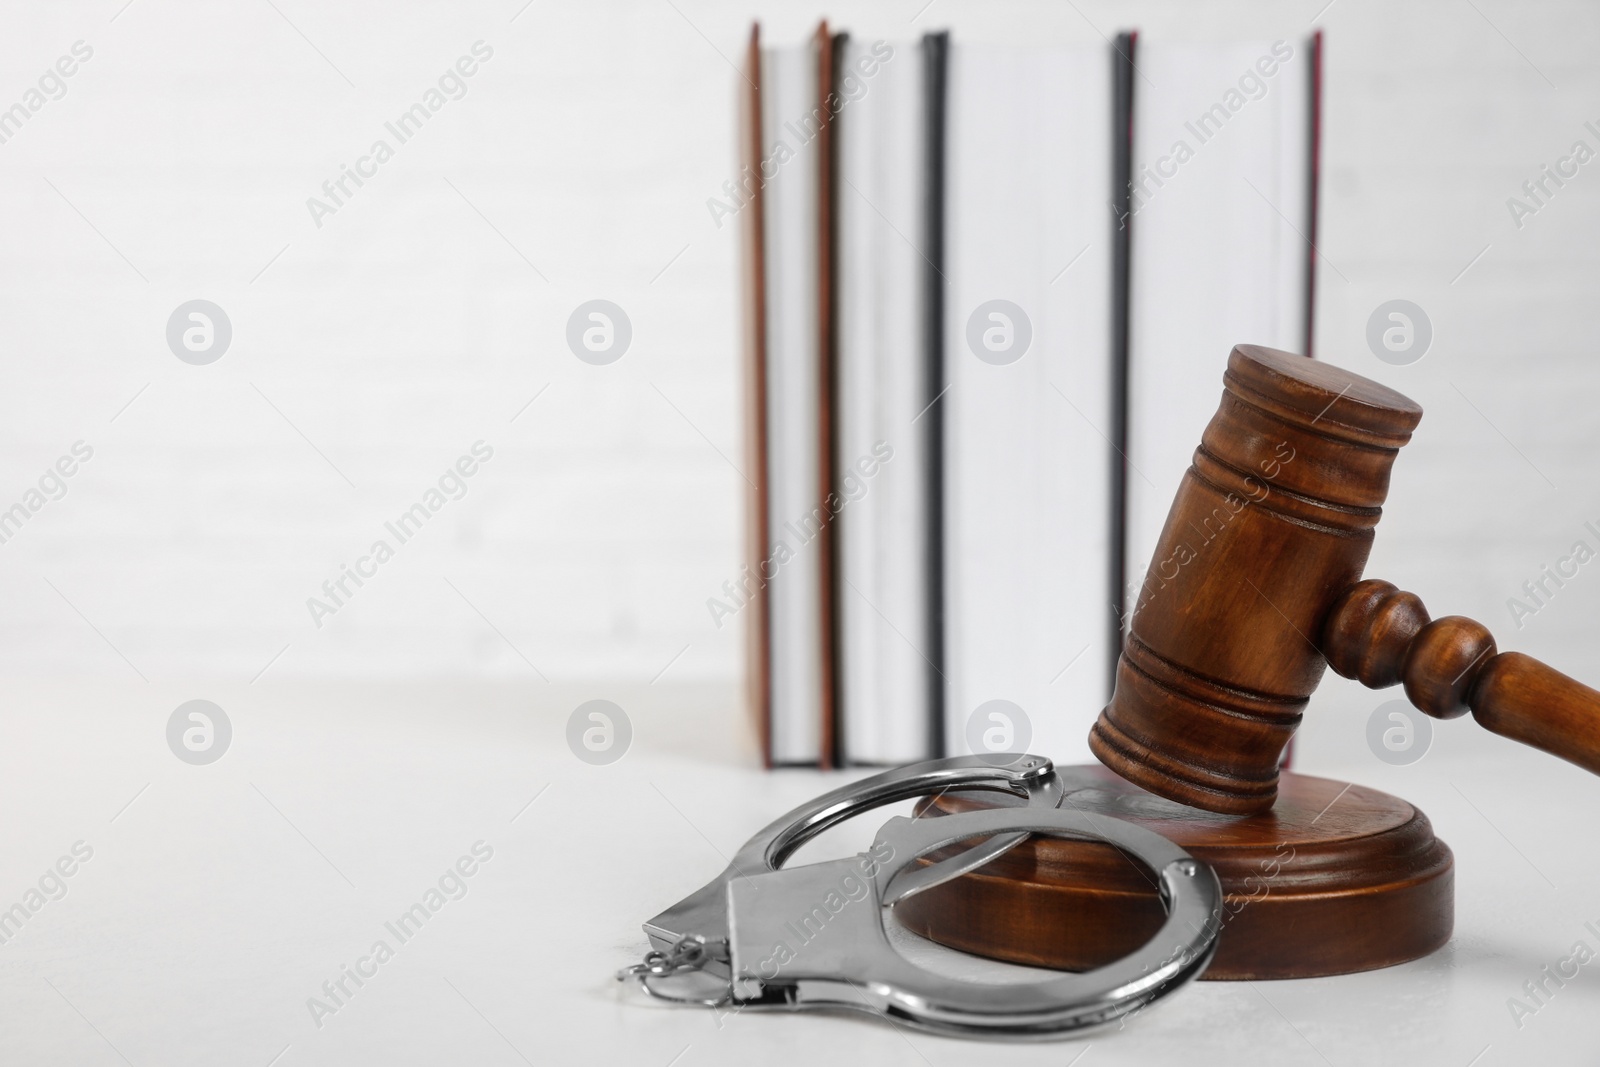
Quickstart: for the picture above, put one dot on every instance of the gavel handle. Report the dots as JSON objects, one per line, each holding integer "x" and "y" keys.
{"x": 1379, "y": 635}
{"x": 1518, "y": 697}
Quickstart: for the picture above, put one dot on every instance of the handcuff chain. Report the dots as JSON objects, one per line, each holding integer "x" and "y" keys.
{"x": 690, "y": 953}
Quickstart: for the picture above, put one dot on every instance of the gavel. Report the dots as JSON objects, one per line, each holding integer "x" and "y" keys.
{"x": 1256, "y": 586}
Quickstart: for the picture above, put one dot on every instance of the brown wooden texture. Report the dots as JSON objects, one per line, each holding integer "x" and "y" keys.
{"x": 1256, "y": 580}
{"x": 1380, "y": 635}
{"x": 758, "y": 628}
{"x": 1518, "y": 697}
{"x": 1271, "y": 524}
{"x": 1334, "y": 879}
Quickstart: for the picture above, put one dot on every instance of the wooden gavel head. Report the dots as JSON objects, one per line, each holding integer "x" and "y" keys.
{"x": 1256, "y": 586}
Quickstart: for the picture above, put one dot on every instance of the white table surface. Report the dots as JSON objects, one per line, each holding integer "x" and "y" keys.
{"x": 219, "y": 898}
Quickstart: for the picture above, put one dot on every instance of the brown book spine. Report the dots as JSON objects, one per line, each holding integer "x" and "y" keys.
{"x": 758, "y": 623}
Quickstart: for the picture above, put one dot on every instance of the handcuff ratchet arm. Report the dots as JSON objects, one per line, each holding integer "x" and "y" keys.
{"x": 703, "y": 914}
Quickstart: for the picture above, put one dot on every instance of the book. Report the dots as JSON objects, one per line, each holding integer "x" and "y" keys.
{"x": 936, "y": 87}
{"x": 1221, "y": 221}
{"x": 1122, "y": 80}
{"x": 1028, "y": 403}
{"x": 883, "y": 447}
{"x": 753, "y": 586}
{"x": 796, "y": 550}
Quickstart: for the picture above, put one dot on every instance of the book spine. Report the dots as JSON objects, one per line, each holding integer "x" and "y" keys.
{"x": 827, "y": 352}
{"x": 841, "y": 710}
{"x": 936, "y": 62}
{"x": 1314, "y": 164}
{"x": 758, "y": 622}
{"x": 1122, "y": 89}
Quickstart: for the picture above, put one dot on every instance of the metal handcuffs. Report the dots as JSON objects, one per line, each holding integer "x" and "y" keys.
{"x": 813, "y": 938}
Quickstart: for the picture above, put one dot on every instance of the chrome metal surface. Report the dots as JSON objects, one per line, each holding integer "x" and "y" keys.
{"x": 800, "y": 939}
{"x": 812, "y": 938}
{"x": 704, "y": 913}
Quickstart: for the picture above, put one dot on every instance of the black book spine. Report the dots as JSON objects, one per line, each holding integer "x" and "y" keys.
{"x": 936, "y": 64}
{"x": 1122, "y": 75}
{"x": 834, "y": 98}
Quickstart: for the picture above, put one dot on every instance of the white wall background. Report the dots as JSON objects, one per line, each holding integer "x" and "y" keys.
{"x": 370, "y": 353}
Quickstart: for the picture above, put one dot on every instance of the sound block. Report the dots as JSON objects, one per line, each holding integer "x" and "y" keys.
{"x": 1334, "y": 879}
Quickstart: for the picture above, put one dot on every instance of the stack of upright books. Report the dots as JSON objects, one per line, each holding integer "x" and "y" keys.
{"x": 989, "y": 295}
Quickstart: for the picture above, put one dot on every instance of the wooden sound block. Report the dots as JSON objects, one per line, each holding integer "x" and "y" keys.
{"x": 1334, "y": 879}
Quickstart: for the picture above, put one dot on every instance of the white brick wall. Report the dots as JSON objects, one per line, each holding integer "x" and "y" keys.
{"x": 393, "y": 337}
{"x": 406, "y": 328}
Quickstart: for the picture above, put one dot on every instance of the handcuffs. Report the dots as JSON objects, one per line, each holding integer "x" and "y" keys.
{"x": 812, "y": 938}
